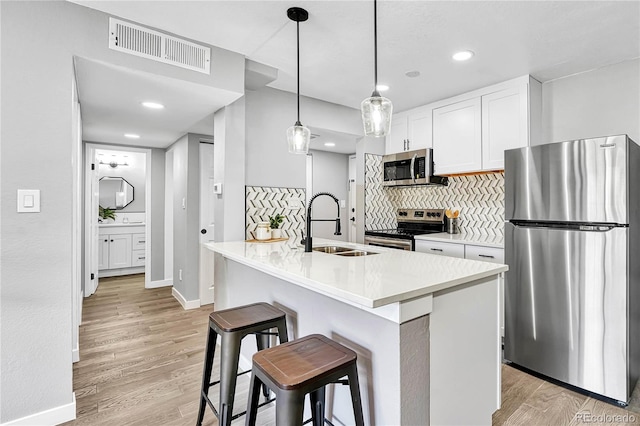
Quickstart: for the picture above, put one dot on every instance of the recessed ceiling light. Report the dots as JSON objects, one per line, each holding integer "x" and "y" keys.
{"x": 464, "y": 55}
{"x": 153, "y": 105}
{"x": 131, "y": 136}
{"x": 382, "y": 87}
{"x": 329, "y": 144}
{"x": 412, "y": 74}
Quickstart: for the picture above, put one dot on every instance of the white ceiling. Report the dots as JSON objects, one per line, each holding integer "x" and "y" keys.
{"x": 547, "y": 39}
{"x": 111, "y": 99}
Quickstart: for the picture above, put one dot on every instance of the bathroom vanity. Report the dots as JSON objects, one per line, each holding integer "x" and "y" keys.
{"x": 121, "y": 249}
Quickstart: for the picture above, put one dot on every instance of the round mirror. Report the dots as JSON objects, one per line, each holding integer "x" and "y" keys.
{"x": 115, "y": 193}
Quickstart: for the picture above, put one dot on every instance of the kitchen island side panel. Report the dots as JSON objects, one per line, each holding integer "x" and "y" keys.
{"x": 375, "y": 340}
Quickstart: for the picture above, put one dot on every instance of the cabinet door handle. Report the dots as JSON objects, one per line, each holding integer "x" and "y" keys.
{"x": 141, "y": 241}
{"x": 408, "y": 141}
{"x": 141, "y": 258}
{"x": 106, "y": 241}
{"x": 435, "y": 249}
{"x": 487, "y": 256}
{"x": 111, "y": 240}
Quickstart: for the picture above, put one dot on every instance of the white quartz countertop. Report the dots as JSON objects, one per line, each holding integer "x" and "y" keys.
{"x": 117, "y": 224}
{"x": 475, "y": 239}
{"x": 372, "y": 281}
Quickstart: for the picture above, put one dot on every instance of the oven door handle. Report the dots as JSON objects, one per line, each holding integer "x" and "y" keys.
{"x": 386, "y": 242}
{"x": 413, "y": 167}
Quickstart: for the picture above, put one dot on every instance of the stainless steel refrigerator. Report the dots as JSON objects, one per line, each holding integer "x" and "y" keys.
{"x": 572, "y": 243}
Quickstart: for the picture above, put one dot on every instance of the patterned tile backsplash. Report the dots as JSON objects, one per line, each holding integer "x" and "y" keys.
{"x": 262, "y": 202}
{"x": 480, "y": 199}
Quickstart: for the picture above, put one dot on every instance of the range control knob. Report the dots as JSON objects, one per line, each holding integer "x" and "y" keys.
{"x": 438, "y": 214}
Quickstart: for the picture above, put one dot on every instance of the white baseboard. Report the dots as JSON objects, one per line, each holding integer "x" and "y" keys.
{"x": 53, "y": 416}
{"x": 161, "y": 283}
{"x": 186, "y": 304}
{"x": 75, "y": 355}
{"x": 118, "y": 272}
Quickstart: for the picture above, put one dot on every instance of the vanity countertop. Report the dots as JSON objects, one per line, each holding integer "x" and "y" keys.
{"x": 119, "y": 224}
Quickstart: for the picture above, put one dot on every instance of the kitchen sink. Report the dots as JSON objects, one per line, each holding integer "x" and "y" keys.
{"x": 356, "y": 253}
{"x": 342, "y": 251}
{"x": 332, "y": 249}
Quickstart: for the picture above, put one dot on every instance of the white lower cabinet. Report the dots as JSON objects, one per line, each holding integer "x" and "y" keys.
{"x": 467, "y": 251}
{"x": 442, "y": 249}
{"x": 121, "y": 250}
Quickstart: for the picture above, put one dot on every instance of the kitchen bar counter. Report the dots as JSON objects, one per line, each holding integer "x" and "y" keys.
{"x": 425, "y": 327}
{"x": 473, "y": 239}
{"x": 372, "y": 281}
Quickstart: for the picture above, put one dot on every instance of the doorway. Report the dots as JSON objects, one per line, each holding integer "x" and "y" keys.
{"x": 117, "y": 213}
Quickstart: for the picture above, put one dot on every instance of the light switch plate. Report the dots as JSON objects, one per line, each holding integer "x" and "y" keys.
{"x": 28, "y": 201}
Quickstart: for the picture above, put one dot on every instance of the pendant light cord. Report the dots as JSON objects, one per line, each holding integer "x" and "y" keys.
{"x": 298, "y": 60}
{"x": 375, "y": 45}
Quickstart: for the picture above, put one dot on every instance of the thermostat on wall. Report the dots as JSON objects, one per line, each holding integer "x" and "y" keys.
{"x": 217, "y": 188}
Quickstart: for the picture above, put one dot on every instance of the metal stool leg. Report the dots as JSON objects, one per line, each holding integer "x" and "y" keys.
{"x": 206, "y": 374}
{"x": 262, "y": 342}
{"x": 228, "y": 375}
{"x": 254, "y": 399}
{"x": 289, "y": 408}
{"x": 356, "y": 401}
{"x": 282, "y": 331}
{"x": 317, "y": 398}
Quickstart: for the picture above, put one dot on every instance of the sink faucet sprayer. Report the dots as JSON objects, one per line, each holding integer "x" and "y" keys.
{"x": 307, "y": 241}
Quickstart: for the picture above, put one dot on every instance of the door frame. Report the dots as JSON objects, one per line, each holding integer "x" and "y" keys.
{"x": 91, "y": 242}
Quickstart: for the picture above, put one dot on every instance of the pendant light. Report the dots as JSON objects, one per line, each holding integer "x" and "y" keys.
{"x": 298, "y": 136}
{"x": 376, "y": 110}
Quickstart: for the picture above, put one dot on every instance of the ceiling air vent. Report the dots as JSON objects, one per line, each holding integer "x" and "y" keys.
{"x": 140, "y": 41}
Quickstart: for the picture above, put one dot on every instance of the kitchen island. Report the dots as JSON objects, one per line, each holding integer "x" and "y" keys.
{"x": 425, "y": 327}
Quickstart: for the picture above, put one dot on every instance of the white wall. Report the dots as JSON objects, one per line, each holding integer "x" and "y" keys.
{"x": 36, "y": 252}
{"x": 229, "y": 170}
{"x": 269, "y": 112}
{"x": 186, "y": 213}
{"x": 601, "y": 102}
{"x": 330, "y": 174}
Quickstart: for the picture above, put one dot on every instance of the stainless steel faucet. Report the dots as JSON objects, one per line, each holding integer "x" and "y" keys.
{"x": 308, "y": 241}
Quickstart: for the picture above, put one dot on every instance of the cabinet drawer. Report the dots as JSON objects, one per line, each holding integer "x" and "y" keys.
{"x": 138, "y": 241}
{"x": 487, "y": 254}
{"x": 443, "y": 249}
{"x": 138, "y": 258}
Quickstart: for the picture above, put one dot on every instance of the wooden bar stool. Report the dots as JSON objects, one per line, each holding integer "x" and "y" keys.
{"x": 302, "y": 366}
{"x": 233, "y": 325}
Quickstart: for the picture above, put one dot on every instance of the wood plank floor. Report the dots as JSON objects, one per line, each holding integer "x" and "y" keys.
{"x": 141, "y": 360}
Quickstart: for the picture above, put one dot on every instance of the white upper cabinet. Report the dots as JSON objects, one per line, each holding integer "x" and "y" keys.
{"x": 397, "y": 137}
{"x": 504, "y": 124}
{"x": 457, "y": 137}
{"x": 472, "y": 131}
{"x": 410, "y": 130}
{"x": 419, "y": 128}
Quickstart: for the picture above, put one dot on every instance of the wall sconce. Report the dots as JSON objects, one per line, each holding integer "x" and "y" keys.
{"x": 113, "y": 163}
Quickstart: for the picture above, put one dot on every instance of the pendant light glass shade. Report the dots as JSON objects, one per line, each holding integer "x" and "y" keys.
{"x": 376, "y": 115}
{"x": 376, "y": 110}
{"x": 298, "y": 138}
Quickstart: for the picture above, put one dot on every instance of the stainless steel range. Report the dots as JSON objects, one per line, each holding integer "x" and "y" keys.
{"x": 411, "y": 222}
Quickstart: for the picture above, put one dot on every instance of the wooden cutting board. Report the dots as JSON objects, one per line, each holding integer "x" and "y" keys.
{"x": 272, "y": 240}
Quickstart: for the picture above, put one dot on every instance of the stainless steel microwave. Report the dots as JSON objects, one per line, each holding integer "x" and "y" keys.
{"x": 410, "y": 168}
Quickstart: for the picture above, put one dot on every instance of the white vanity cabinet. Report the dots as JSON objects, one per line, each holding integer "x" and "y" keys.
{"x": 121, "y": 250}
